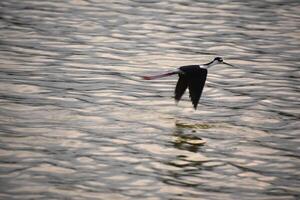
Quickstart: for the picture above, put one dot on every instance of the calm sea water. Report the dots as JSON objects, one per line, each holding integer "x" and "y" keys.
{"x": 77, "y": 122}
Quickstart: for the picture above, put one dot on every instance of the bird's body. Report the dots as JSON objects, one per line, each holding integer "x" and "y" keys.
{"x": 192, "y": 77}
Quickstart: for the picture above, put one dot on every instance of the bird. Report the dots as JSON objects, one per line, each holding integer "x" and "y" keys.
{"x": 192, "y": 77}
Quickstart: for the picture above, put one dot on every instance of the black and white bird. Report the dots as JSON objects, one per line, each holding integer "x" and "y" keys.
{"x": 192, "y": 77}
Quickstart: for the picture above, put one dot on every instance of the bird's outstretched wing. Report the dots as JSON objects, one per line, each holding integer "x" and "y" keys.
{"x": 196, "y": 82}
{"x": 181, "y": 86}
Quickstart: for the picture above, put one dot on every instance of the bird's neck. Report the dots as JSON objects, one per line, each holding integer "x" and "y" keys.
{"x": 208, "y": 65}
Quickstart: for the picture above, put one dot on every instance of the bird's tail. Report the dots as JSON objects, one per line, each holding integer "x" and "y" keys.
{"x": 159, "y": 76}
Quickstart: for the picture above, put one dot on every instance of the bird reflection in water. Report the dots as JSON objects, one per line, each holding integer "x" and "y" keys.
{"x": 188, "y": 141}
{"x": 188, "y": 144}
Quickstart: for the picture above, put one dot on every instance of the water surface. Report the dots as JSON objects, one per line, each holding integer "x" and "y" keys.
{"x": 77, "y": 122}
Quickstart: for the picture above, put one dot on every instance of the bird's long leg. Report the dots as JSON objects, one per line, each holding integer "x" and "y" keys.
{"x": 159, "y": 76}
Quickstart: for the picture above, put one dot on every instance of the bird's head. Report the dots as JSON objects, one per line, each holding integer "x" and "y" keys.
{"x": 217, "y": 60}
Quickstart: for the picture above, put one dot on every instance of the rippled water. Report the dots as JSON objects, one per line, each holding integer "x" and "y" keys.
{"x": 77, "y": 122}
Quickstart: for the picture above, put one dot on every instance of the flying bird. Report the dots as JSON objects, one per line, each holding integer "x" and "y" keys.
{"x": 192, "y": 77}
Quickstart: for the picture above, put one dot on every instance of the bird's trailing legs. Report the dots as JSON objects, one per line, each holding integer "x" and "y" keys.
{"x": 160, "y": 76}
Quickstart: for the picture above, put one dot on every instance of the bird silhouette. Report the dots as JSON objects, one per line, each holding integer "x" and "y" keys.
{"x": 192, "y": 77}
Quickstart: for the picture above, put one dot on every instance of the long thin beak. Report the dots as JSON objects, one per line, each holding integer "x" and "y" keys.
{"x": 225, "y": 63}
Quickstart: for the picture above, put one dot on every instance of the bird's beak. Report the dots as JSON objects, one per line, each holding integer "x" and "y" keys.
{"x": 225, "y": 63}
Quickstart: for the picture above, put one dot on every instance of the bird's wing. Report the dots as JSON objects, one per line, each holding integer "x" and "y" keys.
{"x": 181, "y": 86}
{"x": 196, "y": 83}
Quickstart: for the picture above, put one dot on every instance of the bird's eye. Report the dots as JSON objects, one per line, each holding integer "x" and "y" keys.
{"x": 219, "y": 59}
